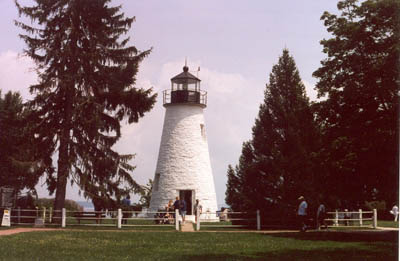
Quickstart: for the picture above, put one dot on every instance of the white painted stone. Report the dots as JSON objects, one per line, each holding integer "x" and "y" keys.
{"x": 183, "y": 159}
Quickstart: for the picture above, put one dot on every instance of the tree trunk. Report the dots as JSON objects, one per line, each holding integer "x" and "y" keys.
{"x": 63, "y": 158}
{"x": 62, "y": 175}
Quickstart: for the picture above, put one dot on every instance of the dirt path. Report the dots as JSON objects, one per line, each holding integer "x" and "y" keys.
{"x": 24, "y": 229}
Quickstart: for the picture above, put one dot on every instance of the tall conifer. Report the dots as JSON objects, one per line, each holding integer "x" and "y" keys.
{"x": 86, "y": 87}
{"x": 280, "y": 167}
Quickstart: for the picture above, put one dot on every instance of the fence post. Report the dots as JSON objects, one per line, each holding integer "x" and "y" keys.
{"x": 50, "y": 214}
{"x": 176, "y": 220}
{"x": 44, "y": 215}
{"x": 336, "y": 218}
{"x": 258, "y": 220}
{"x": 198, "y": 219}
{"x": 63, "y": 217}
{"x": 19, "y": 215}
{"x": 119, "y": 217}
{"x": 375, "y": 224}
{"x": 360, "y": 217}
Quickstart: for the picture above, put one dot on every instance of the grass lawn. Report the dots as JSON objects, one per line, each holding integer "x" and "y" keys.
{"x": 385, "y": 223}
{"x": 128, "y": 245}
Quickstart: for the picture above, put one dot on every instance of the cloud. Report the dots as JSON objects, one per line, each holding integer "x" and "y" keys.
{"x": 16, "y": 73}
{"x": 310, "y": 91}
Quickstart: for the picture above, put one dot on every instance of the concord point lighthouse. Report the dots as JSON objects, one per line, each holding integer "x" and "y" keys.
{"x": 183, "y": 166}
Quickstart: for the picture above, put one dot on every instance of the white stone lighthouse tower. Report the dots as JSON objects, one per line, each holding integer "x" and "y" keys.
{"x": 183, "y": 166}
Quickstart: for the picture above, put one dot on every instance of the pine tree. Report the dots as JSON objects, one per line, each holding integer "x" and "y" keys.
{"x": 359, "y": 78}
{"x": 86, "y": 88}
{"x": 19, "y": 168}
{"x": 277, "y": 166}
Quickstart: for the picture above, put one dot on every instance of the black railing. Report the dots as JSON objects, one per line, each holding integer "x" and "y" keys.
{"x": 184, "y": 96}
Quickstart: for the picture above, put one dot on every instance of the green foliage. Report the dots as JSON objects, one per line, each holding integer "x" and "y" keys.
{"x": 145, "y": 194}
{"x": 276, "y": 166}
{"x": 359, "y": 79}
{"x": 18, "y": 166}
{"x": 87, "y": 77}
{"x": 378, "y": 205}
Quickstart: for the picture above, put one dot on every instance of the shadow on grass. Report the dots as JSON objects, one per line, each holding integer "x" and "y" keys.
{"x": 383, "y": 253}
{"x": 344, "y": 236}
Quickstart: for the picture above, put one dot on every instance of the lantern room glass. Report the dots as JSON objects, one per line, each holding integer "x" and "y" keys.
{"x": 185, "y": 86}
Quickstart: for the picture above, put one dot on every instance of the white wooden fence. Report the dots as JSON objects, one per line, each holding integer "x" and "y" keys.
{"x": 358, "y": 218}
{"x": 228, "y": 217}
{"x": 121, "y": 218}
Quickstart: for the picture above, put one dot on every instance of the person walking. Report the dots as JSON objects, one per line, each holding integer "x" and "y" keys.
{"x": 197, "y": 209}
{"x": 126, "y": 204}
{"x": 395, "y": 212}
{"x": 182, "y": 209}
{"x": 321, "y": 215}
{"x": 302, "y": 214}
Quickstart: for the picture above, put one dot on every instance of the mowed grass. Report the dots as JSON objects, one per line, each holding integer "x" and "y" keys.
{"x": 129, "y": 245}
{"x": 386, "y": 223}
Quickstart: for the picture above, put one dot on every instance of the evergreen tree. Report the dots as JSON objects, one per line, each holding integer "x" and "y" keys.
{"x": 18, "y": 167}
{"x": 238, "y": 194}
{"x": 276, "y": 166}
{"x": 145, "y": 194}
{"x": 359, "y": 78}
{"x": 86, "y": 88}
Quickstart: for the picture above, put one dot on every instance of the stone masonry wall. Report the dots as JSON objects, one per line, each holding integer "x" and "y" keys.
{"x": 183, "y": 159}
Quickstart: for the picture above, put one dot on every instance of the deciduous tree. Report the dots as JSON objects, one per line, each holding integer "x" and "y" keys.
{"x": 359, "y": 79}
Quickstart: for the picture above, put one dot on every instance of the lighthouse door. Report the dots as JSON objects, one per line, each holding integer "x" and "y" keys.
{"x": 187, "y": 195}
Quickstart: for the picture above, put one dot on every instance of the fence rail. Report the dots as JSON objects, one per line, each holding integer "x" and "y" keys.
{"x": 348, "y": 218}
{"x": 119, "y": 218}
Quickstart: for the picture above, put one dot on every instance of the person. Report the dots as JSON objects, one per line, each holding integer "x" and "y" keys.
{"x": 176, "y": 203}
{"x": 302, "y": 214}
{"x": 182, "y": 209}
{"x": 169, "y": 207}
{"x": 176, "y": 206}
{"x": 197, "y": 209}
{"x": 347, "y": 216}
{"x": 321, "y": 215}
{"x": 169, "y": 212}
{"x": 395, "y": 212}
{"x": 126, "y": 203}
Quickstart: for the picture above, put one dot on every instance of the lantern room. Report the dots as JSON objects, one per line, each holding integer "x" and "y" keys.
{"x": 185, "y": 89}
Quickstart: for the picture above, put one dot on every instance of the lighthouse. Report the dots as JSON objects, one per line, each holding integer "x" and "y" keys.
{"x": 183, "y": 166}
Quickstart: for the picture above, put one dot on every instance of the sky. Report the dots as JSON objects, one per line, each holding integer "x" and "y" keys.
{"x": 235, "y": 44}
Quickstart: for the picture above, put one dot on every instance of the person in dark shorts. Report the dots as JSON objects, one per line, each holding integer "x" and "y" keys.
{"x": 182, "y": 209}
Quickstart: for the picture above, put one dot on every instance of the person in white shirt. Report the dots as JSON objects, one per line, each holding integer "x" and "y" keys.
{"x": 302, "y": 213}
{"x": 395, "y": 212}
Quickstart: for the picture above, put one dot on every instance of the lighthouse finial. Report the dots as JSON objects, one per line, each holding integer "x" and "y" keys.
{"x": 185, "y": 68}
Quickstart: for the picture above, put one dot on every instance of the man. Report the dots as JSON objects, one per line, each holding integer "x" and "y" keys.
{"x": 182, "y": 209}
{"x": 176, "y": 203}
{"x": 395, "y": 212}
{"x": 321, "y": 215}
{"x": 197, "y": 209}
{"x": 126, "y": 203}
{"x": 302, "y": 214}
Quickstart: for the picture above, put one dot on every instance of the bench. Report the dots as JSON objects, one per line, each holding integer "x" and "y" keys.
{"x": 88, "y": 216}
